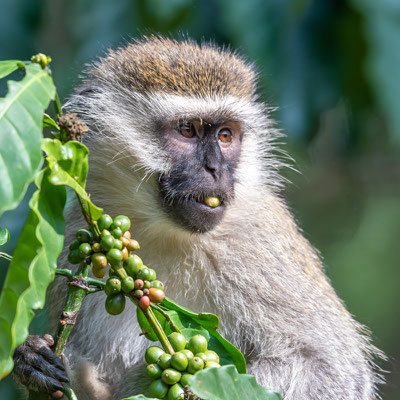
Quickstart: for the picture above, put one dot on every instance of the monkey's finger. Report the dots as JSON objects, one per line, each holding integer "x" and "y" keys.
{"x": 37, "y": 381}
{"x": 48, "y": 369}
{"x": 51, "y": 357}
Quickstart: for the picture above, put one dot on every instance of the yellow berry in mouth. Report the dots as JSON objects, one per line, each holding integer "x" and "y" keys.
{"x": 212, "y": 201}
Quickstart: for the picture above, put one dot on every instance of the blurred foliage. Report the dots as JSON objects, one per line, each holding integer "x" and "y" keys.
{"x": 331, "y": 69}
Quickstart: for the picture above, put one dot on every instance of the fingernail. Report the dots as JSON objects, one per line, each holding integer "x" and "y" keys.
{"x": 49, "y": 339}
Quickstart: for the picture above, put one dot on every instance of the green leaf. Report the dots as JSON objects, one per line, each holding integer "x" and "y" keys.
{"x": 226, "y": 383}
{"x": 21, "y": 113}
{"x": 204, "y": 319}
{"x": 139, "y": 397}
{"x": 49, "y": 122}
{"x": 69, "y": 166}
{"x": 32, "y": 268}
{"x": 9, "y": 66}
{"x": 4, "y": 236}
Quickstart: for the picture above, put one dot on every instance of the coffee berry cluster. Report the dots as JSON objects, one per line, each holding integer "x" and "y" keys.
{"x": 171, "y": 373}
{"x": 112, "y": 252}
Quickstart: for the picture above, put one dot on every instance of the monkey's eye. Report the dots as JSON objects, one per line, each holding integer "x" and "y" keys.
{"x": 225, "y": 135}
{"x": 187, "y": 130}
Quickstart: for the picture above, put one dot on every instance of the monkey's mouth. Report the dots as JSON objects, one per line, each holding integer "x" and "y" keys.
{"x": 197, "y": 212}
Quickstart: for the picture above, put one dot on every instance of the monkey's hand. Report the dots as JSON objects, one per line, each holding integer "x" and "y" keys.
{"x": 37, "y": 367}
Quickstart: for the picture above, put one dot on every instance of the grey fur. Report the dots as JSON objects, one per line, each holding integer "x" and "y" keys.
{"x": 255, "y": 269}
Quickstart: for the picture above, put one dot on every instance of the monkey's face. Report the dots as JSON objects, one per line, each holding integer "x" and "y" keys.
{"x": 203, "y": 158}
{"x": 172, "y": 123}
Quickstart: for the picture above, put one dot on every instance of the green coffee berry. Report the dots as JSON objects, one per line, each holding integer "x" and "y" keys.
{"x": 157, "y": 284}
{"x": 152, "y": 275}
{"x": 177, "y": 340}
{"x": 121, "y": 221}
{"x": 179, "y": 361}
{"x": 85, "y": 249}
{"x": 107, "y": 242}
{"x": 212, "y": 201}
{"x": 212, "y": 356}
{"x": 99, "y": 260}
{"x": 203, "y": 356}
{"x": 114, "y": 255}
{"x": 138, "y": 293}
{"x": 153, "y": 371}
{"x": 115, "y": 303}
{"x": 176, "y": 392}
{"x": 158, "y": 389}
{"x": 117, "y": 244}
{"x": 195, "y": 364}
{"x": 170, "y": 376}
{"x": 104, "y": 222}
{"x": 185, "y": 379}
{"x": 144, "y": 273}
{"x": 74, "y": 245}
{"x": 83, "y": 236}
{"x": 164, "y": 361}
{"x": 197, "y": 344}
{"x": 113, "y": 286}
{"x": 146, "y": 284}
{"x": 189, "y": 355}
{"x": 152, "y": 354}
{"x": 132, "y": 265}
{"x": 117, "y": 233}
{"x": 96, "y": 247}
{"x": 212, "y": 364}
{"x": 74, "y": 257}
{"x": 105, "y": 233}
{"x": 127, "y": 284}
{"x": 99, "y": 272}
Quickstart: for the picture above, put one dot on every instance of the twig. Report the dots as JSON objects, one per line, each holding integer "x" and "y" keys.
{"x": 65, "y": 272}
{"x": 157, "y": 328}
{"x": 167, "y": 317}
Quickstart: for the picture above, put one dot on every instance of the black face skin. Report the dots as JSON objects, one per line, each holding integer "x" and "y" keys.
{"x": 204, "y": 157}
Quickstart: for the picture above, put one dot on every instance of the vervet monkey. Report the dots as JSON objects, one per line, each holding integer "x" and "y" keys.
{"x": 170, "y": 124}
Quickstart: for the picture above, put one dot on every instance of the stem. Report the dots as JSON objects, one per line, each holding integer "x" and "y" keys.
{"x": 77, "y": 291}
{"x": 69, "y": 393}
{"x": 96, "y": 282}
{"x": 57, "y": 105}
{"x": 86, "y": 213}
{"x": 157, "y": 328}
{"x": 65, "y": 272}
{"x": 167, "y": 317}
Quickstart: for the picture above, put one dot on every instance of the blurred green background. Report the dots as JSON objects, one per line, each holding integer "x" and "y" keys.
{"x": 332, "y": 69}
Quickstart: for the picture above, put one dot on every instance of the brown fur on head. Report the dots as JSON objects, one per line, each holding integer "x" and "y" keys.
{"x": 158, "y": 64}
